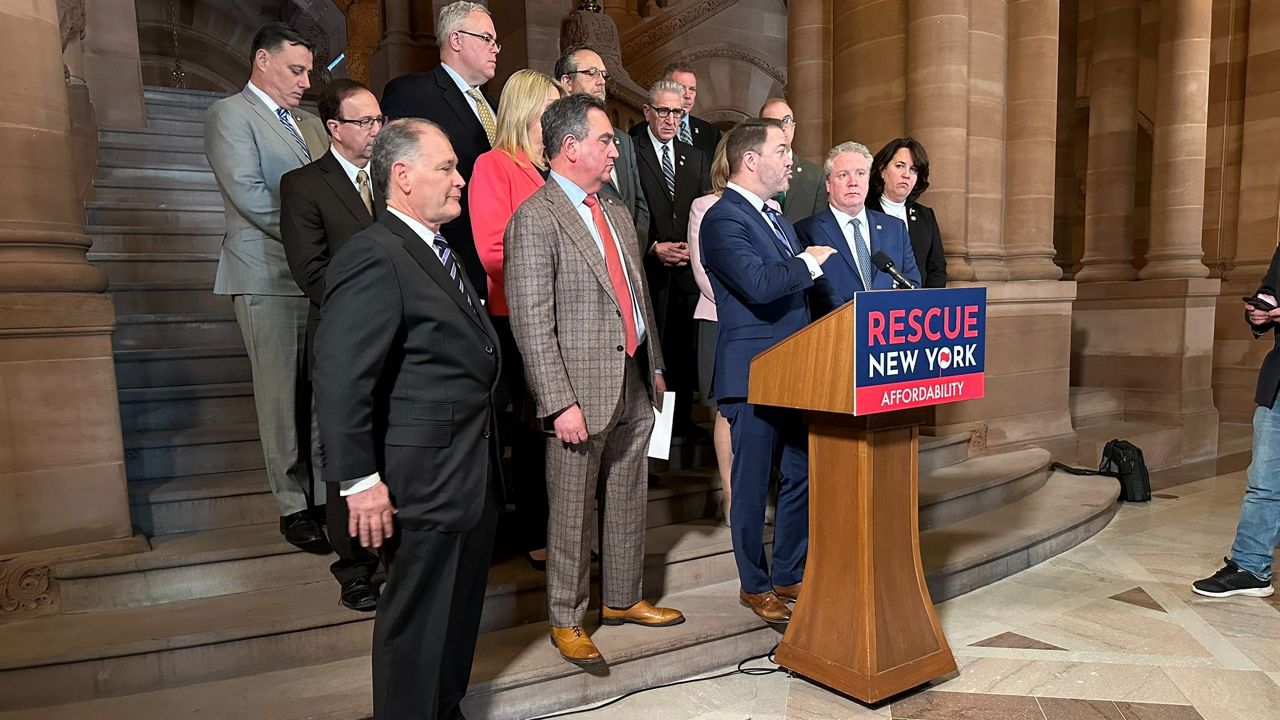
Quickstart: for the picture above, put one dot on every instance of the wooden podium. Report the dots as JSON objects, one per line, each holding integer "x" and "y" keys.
{"x": 864, "y": 623}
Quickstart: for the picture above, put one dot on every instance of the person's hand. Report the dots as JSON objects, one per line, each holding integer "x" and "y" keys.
{"x": 571, "y": 426}
{"x": 1259, "y": 317}
{"x": 820, "y": 252}
{"x": 371, "y": 516}
{"x": 672, "y": 253}
{"x": 659, "y": 390}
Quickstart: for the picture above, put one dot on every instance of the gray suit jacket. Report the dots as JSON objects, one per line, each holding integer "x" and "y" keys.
{"x": 628, "y": 190}
{"x": 807, "y": 195}
{"x": 564, "y": 313}
{"x": 250, "y": 150}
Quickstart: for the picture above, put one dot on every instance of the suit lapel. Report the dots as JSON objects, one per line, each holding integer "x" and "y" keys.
{"x": 340, "y": 183}
{"x": 273, "y": 120}
{"x": 837, "y": 239}
{"x": 430, "y": 263}
{"x": 576, "y": 230}
{"x": 686, "y": 176}
{"x": 459, "y": 104}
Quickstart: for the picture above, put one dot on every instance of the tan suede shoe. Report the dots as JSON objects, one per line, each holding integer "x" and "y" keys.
{"x": 575, "y": 646}
{"x": 766, "y": 605}
{"x": 642, "y": 613}
{"x": 788, "y": 593}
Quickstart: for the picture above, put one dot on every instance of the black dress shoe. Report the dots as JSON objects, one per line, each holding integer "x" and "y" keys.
{"x": 301, "y": 530}
{"x": 359, "y": 595}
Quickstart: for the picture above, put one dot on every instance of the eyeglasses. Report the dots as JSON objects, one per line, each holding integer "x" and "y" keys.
{"x": 788, "y": 120}
{"x": 592, "y": 73}
{"x": 665, "y": 113}
{"x": 366, "y": 123}
{"x": 487, "y": 38}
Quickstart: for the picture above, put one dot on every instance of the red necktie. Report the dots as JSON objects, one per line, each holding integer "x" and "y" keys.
{"x": 618, "y": 278}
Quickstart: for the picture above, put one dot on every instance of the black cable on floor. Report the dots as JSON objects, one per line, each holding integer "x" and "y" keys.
{"x": 739, "y": 671}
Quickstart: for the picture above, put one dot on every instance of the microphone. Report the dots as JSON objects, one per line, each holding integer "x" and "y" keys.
{"x": 884, "y": 263}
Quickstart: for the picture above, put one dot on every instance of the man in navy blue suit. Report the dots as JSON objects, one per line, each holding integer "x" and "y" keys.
{"x": 759, "y": 273}
{"x": 855, "y": 232}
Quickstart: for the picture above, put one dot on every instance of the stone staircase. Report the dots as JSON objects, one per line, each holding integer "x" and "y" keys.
{"x": 222, "y": 619}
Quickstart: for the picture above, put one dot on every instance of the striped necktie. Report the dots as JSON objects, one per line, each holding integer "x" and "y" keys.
{"x": 668, "y": 171}
{"x": 451, "y": 265}
{"x": 777, "y": 230}
{"x": 685, "y": 135}
{"x": 864, "y": 255}
{"x": 288, "y": 124}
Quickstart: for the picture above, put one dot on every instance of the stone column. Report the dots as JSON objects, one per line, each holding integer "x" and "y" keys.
{"x": 1178, "y": 152}
{"x": 112, "y": 64}
{"x": 61, "y": 459}
{"x": 870, "y": 35}
{"x": 408, "y": 42}
{"x": 810, "y": 45}
{"x": 1030, "y": 140}
{"x": 1067, "y": 194}
{"x": 1113, "y": 142}
{"x": 938, "y": 115}
{"x": 988, "y": 68}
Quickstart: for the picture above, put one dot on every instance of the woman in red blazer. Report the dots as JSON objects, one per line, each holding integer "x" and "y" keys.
{"x": 503, "y": 178}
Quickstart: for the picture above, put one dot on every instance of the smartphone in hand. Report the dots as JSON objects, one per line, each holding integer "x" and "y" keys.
{"x": 1259, "y": 303}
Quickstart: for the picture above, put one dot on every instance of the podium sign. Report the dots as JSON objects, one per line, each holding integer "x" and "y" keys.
{"x": 919, "y": 347}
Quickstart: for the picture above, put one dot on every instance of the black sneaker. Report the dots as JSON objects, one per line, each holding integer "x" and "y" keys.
{"x": 1231, "y": 580}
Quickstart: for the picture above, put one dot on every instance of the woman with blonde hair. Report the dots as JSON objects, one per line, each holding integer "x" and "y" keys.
{"x": 705, "y": 316}
{"x": 504, "y": 178}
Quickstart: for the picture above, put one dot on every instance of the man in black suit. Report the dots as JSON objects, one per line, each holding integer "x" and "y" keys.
{"x": 806, "y": 196}
{"x": 450, "y": 97}
{"x": 407, "y": 364}
{"x": 321, "y": 205}
{"x": 672, "y": 175}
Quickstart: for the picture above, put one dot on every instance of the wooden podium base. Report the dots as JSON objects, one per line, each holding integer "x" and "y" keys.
{"x": 864, "y": 623}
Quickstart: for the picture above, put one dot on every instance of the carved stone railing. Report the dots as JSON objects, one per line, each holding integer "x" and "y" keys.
{"x": 671, "y": 20}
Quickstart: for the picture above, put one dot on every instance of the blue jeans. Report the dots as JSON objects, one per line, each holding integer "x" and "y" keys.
{"x": 1259, "y": 527}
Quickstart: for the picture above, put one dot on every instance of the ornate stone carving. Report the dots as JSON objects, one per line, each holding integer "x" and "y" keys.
{"x": 681, "y": 19}
{"x": 598, "y": 32}
{"x": 738, "y": 54}
{"x": 24, "y": 588}
{"x": 71, "y": 20}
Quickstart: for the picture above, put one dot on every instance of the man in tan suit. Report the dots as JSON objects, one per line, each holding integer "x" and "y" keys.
{"x": 581, "y": 317}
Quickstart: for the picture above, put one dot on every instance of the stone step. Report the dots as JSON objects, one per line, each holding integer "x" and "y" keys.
{"x": 194, "y": 503}
{"x": 135, "y": 332}
{"x": 200, "y": 365}
{"x": 127, "y": 270}
{"x": 168, "y": 296}
{"x": 176, "y": 126}
{"x": 186, "y": 406}
{"x": 150, "y": 139}
{"x": 148, "y": 176}
{"x": 1095, "y": 406}
{"x": 1161, "y": 444}
{"x": 175, "y": 111}
{"x": 113, "y": 155}
{"x": 210, "y": 218}
{"x": 150, "y": 454}
{"x": 132, "y": 240}
{"x": 174, "y": 197}
{"x": 1064, "y": 512}
{"x": 942, "y": 450}
{"x": 155, "y": 94}
{"x": 969, "y": 488}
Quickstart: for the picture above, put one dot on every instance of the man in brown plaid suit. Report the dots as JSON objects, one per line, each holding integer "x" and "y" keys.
{"x": 581, "y": 317}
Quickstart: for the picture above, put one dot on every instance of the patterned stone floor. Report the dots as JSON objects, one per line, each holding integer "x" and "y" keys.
{"x": 1107, "y": 631}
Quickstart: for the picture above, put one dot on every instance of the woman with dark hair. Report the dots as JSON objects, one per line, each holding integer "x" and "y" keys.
{"x": 899, "y": 176}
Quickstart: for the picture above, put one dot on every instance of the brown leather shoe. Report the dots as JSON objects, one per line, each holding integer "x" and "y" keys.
{"x": 766, "y": 605}
{"x": 642, "y": 613}
{"x": 788, "y": 593}
{"x": 575, "y": 646}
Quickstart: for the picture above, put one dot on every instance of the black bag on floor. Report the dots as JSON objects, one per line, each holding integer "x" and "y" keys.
{"x": 1122, "y": 460}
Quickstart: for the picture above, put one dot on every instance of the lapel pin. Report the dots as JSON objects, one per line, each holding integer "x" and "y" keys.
{"x": 878, "y": 227}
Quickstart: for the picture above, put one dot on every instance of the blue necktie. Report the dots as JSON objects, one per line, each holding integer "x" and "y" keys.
{"x": 451, "y": 264}
{"x": 284, "y": 118}
{"x": 864, "y": 255}
{"x": 777, "y": 230}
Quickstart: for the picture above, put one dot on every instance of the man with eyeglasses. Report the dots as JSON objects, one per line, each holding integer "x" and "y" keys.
{"x": 807, "y": 194}
{"x": 321, "y": 206}
{"x": 581, "y": 69}
{"x": 450, "y": 97}
{"x": 694, "y": 131}
{"x": 672, "y": 174}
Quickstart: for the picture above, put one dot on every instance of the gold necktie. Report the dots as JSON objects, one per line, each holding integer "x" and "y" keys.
{"x": 362, "y": 183}
{"x": 486, "y": 114}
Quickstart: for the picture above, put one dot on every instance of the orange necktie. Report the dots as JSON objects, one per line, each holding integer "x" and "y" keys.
{"x": 617, "y": 277}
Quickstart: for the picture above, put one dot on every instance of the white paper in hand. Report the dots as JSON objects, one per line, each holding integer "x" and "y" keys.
{"x": 660, "y": 440}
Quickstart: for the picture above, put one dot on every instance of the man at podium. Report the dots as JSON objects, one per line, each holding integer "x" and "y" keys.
{"x": 861, "y": 237}
{"x": 759, "y": 273}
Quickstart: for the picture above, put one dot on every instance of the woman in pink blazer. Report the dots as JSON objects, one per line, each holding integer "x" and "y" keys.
{"x": 503, "y": 178}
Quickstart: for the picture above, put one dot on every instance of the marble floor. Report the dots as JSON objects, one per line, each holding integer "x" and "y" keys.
{"x": 1109, "y": 630}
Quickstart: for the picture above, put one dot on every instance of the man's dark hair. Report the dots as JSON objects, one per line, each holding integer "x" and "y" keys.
{"x": 885, "y": 156}
{"x": 567, "y": 63}
{"x": 564, "y": 117}
{"x": 747, "y": 135}
{"x": 677, "y": 66}
{"x": 274, "y": 35}
{"x": 330, "y": 105}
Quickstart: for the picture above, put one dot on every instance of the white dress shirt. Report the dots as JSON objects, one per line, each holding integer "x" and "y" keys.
{"x": 658, "y": 145}
{"x": 465, "y": 89}
{"x": 429, "y": 238}
{"x": 842, "y": 219}
{"x": 815, "y": 270}
{"x": 273, "y": 106}
{"x": 352, "y": 170}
